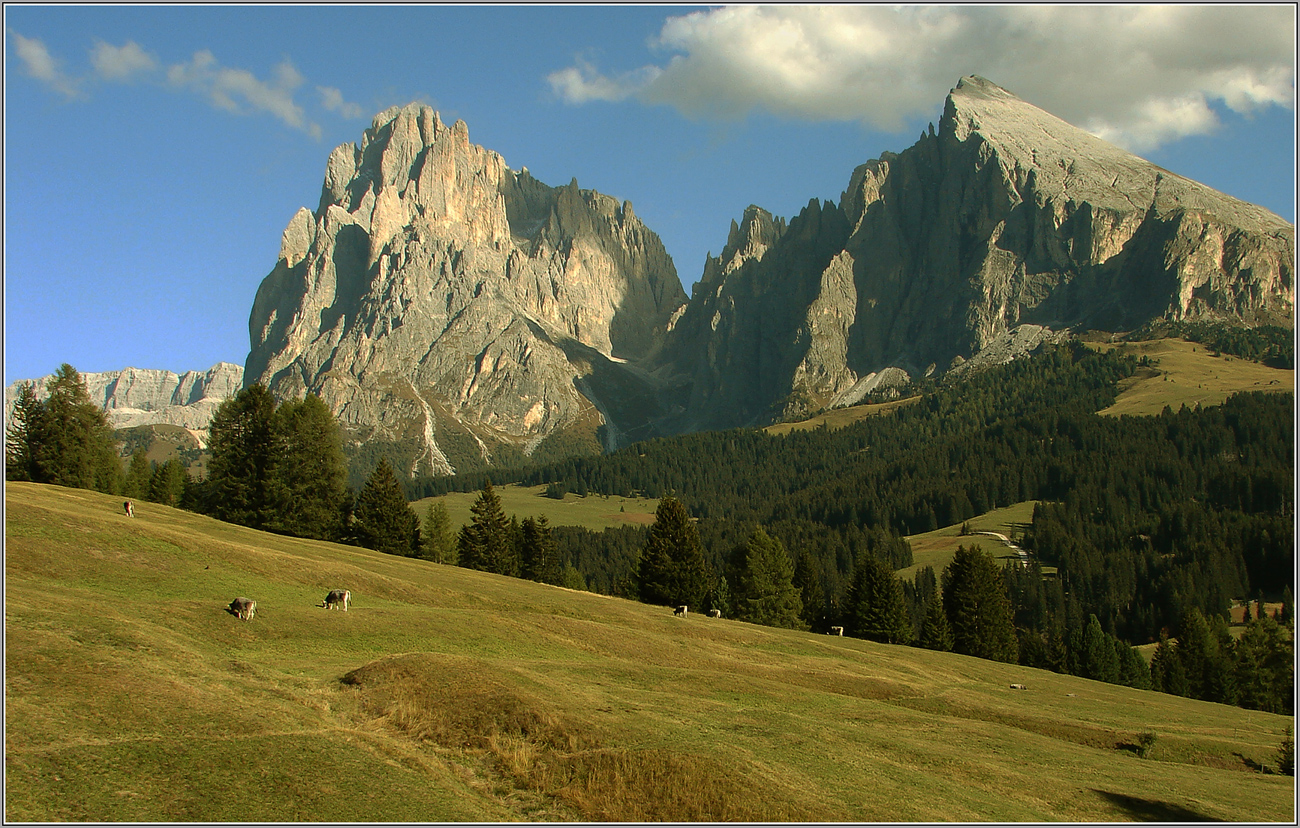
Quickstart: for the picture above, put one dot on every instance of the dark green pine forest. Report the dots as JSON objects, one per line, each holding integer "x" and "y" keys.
{"x": 1156, "y": 525}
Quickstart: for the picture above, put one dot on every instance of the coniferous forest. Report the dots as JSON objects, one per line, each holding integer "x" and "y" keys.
{"x": 1154, "y": 525}
{"x": 1151, "y": 522}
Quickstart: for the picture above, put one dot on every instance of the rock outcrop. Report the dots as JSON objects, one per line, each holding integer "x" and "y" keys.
{"x": 455, "y": 313}
{"x": 145, "y": 396}
{"x": 1007, "y": 219}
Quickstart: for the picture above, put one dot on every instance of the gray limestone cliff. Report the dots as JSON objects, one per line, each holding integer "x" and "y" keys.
{"x": 1004, "y": 227}
{"x": 455, "y": 313}
{"x": 146, "y": 396}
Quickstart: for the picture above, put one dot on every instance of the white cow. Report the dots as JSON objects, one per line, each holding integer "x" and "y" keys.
{"x": 715, "y": 613}
{"x": 836, "y": 631}
{"x": 338, "y": 598}
{"x": 243, "y": 608}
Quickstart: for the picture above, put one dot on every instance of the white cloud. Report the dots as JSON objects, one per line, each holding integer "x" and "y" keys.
{"x": 240, "y": 91}
{"x": 332, "y": 100}
{"x": 582, "y": 83}
{"x": 40, "y": 64}
{"x": 121, "y": 63}
{"x": 1139, "y": 75}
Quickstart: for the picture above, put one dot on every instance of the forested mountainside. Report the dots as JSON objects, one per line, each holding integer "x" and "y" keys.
{"x": 1146, "y": 517}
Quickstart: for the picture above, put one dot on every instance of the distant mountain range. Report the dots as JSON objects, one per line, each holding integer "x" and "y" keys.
{"x": 143, "y": 396}
{"x": 457, "y": 314}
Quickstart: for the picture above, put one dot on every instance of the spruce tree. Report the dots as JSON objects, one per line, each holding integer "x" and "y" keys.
{"x": 485, "y": 543}
{"x": 935, "y": 632}
{"x": 70, "y": 441}
{"x": 540, "y": 557}
{"x": 383, "y": 519}
{"x": 979, "y": 612}
{"x": 876, "y": 609}
{"x": 167, "y": 483}
{"x": 1167, "y": 672}
{"x": 672, "y": 569}
{"x": 243, "y": 444}
{"x": 1098, "y": 660}
{"x": 24, "y": 423}
{"x": 308, "y": 482}
{"x": 138, "y": 474}
{"x": 810, "y": 593}
{"x": 438, "y": 544}
{"x": 765, "y": 592}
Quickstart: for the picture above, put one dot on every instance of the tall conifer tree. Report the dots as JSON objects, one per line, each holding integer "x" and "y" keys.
{"x": 383, "y": 518}
{"x": 485, "y": 542}
{"x": 765, "y": 592}
{"x": 541, "y": 558}
{"x": 24, "y": 424}
{"x": 242, "y": 440}
{"x": 876, "y": 609}
{"x": 68, "y": 439}
{"x": 308, "y": 484}
{"x": 979, "y": 612}
{"x": 438, "y": 544}
{"x": 672, "y": 569}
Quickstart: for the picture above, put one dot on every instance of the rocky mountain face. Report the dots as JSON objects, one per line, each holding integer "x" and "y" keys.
{"x": 1006, "y": 226}
{"x": 455, "y": 313}
{"x": 144, "y": 396}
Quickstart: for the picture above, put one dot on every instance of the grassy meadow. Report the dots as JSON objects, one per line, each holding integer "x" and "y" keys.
{"x": 837, "y": 418}
{"x": 1188, "y": 373}
{"x": 594, "y": 511}
{"x": 938, "y": 547}
{"x": 452, "y": 695}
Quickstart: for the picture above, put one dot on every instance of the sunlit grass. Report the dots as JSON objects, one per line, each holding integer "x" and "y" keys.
{"x": 594, "y": 511}
{"x": 451, "y": 695}
{"x": 1188, "y": 373}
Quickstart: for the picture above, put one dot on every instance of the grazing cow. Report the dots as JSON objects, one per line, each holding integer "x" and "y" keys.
{"x": 128, "y": 508}
{"x": 243, "y": 608}
{"x": 680, "y": 611}
{"x": 715, "y": 613}
{"x": 836, "y": 631}
{"x": 338, "y": 598}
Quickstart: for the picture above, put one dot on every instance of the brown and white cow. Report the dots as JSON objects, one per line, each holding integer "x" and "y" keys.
{"x": 243, "y": 608}
{"x": 338, "y": 598}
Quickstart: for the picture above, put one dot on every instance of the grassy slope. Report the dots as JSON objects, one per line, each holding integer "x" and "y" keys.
{"x": 838, "y": 418}
{"x": 937, "y": 548}
{"x": 1186, "y": 373}
{"x": 133, "y": 695}
{"x": 594, "y": 511}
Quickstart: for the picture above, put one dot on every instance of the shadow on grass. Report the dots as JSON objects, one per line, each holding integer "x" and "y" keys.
{"x": 1153, "y": 810}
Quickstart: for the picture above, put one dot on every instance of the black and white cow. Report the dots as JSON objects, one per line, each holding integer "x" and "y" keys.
{"x": 243, "y": 608}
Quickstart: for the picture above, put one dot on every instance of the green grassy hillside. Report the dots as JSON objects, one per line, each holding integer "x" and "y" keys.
{"x": 1188, "y": 373}
{"x": 594, "y": 511}
{"x": 452, "y": 695}
{"x": 937, "y": 548}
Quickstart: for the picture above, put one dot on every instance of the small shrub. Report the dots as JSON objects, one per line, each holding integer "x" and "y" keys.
{"x": 1145, "y": 740}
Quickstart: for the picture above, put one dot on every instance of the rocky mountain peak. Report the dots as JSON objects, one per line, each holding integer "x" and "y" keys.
{"x": 449, "y": 307}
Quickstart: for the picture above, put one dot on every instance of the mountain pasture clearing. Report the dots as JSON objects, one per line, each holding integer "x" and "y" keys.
{"x": 594, "y": 511}
{"x": 446, "y": 694}
{"x": 1188, "y": 373}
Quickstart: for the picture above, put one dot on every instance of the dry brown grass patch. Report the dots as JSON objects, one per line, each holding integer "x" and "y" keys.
{"x": 460, "y": 706}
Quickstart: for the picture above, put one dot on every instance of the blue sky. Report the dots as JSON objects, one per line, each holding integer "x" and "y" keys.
{"x": 154, "y": 155}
